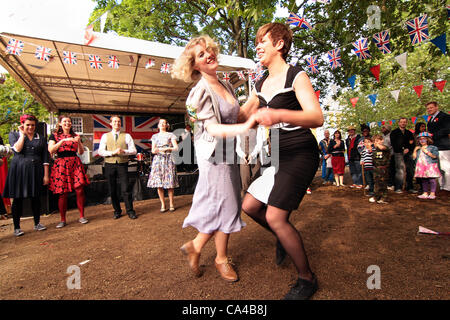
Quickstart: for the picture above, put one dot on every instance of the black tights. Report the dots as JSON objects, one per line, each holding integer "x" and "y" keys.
{"x": 17, "y": 210}
{"x": 276, "y": 221}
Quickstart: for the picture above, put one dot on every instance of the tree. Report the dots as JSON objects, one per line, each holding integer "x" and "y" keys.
{"x": 342, "y": 22}
{"x": 232, "y": 23}
{"x": 14, "y": 101}
{"x": 409, "y": 105}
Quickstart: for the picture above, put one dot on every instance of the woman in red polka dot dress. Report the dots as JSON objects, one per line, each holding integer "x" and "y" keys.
{"x": 67, "y": 174}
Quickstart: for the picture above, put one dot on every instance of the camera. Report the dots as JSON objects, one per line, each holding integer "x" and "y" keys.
{"x": 5, "y": 151}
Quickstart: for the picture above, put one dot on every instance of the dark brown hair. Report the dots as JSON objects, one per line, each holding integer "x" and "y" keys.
{"x": 60, "y": 129}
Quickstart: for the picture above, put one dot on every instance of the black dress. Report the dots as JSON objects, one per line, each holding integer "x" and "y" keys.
{"x": 298, "y": 152}
{"x": 26, "y": 172}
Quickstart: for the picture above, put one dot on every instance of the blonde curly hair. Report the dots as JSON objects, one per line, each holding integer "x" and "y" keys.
{"x": 183, "y": 67}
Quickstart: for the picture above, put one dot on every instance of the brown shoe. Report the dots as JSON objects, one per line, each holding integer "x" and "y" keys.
{"x": 192, "y": 256}
{"x": 226, "y": 271}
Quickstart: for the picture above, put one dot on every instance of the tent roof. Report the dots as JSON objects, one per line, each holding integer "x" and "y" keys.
{"x": 132, "y": 88}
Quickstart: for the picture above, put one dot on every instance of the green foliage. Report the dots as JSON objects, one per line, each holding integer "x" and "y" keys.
{"x": 231, "y": 22}
{"x": 420, "y": 71}
{"x": 343, "y": 21}
{"x": 12, "y": 103}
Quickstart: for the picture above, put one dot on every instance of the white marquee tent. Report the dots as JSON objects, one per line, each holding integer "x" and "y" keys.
{"x": 133, "y": 88}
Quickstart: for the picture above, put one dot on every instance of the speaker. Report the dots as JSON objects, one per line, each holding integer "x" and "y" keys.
{"x": 41, "y": 129}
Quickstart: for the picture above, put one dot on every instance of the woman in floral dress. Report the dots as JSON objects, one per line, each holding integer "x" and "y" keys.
{"x": 163, "y": 174}
{"x": 67, "y": 174}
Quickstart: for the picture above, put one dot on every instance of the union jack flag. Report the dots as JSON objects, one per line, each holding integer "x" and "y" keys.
{"x": 150, "y": 63}
{"x": 361, "y": 49}
{"x": 165, "y": 67}
{"x": 69, "y": 57}
{"x": 95, "y": 62}
{"x": 312, "y": 64}
{"x": 335, "y": 58}
{"x": 113, "y": 62}
{"x": 418, "y": 29}
{"x": 381, "y": 39}
{"x": 139, "y": 127}
{"x": 14, "y": 47}
{"x": 226, "y": 77}
{"x": 258, "y": 72}
{"x": 43, "y": 53}
{"x": 295, "y": 20}
{"x": 241, "y": 75}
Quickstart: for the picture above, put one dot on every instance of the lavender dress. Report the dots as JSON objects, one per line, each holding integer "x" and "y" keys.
{"x": 216, "y": 205}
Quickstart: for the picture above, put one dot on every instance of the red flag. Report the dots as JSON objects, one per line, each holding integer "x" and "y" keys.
{"x": 376, "y": 72}
{"x": 414, "y": 119}
{"x": 418, "y": 90}
{"x": 383, "y": 122}
{"x": 89, "y": 35}
{"x": 318, "y": 94}
{"x": 440, "y": 85}
{"x": 354, "y": 101}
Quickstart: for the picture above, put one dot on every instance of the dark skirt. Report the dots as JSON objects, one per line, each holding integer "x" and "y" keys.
{"x": 25, "y": 178}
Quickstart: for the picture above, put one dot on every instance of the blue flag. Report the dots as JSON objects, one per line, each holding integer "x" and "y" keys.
{"x": 351, "y": 80}
{"x": 373, "y": 98}
{"x": 441, "y": 42}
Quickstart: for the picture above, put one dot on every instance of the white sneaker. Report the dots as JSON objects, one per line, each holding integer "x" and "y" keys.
{"x": 367, "y": 187}
{"x": 372, "y": 199}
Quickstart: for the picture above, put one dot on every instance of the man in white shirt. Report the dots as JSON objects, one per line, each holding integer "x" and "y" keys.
{"x": 115, "y": 147}
{"x": 248, "y": 146}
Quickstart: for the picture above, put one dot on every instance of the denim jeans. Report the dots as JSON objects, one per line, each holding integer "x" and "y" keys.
{"x": 368, "y": 175}
{"x": 355, "y": 171}
{"x": 404, "y": 165}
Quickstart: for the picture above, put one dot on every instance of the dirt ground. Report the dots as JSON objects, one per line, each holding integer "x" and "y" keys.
{"x": 343, "y": 233}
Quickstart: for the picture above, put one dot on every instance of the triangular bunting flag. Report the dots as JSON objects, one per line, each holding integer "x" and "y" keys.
{"x": 425, "y": 118}
{"x": 395, "y": 94}
{"x": 379, "y": 123}
{"x": 413, "y": 120}
{"x": 393, "y": 121}
{"x": 351, "y": 80}
{"x": 401, "y": 59}
{"x": 390, "y": 122}
{"x": 376, "y": 72}
{"x": 440, "y": 85}
{"x": 383, "y": 122}
{"x": 89, "y": 35}
{"x": 373, "y": 98}
{"x": 418, "y": 90}
{"x": 354, "y": 101}
{"x": 441, "y": 42}
{"x": 103, "y": 21}
{"x": 318, "y": 94}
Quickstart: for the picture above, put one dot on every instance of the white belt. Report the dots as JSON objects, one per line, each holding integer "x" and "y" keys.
{"x": 284, "y": 126}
